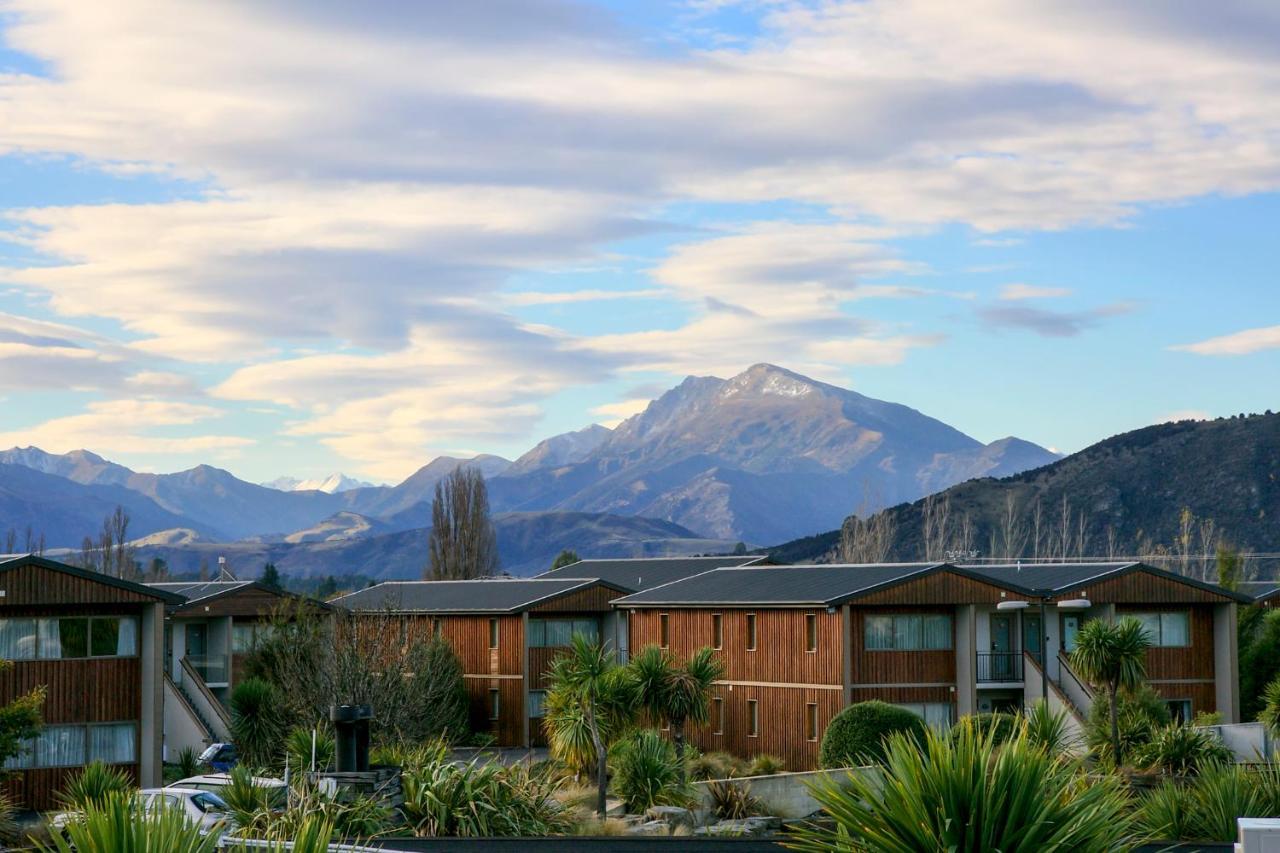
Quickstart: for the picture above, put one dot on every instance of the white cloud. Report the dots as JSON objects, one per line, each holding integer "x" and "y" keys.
{"x": 1016, "y": 292}
{"x": 533, "y": 297}
{"x": 615, "y": 413}
{"x": 126, "y": 426}
{"x": 1245, "y": 342}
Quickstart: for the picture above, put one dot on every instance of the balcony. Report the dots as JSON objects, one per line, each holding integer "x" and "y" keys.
{"x": 999, "y": 667}
{"x": 214, "y": 669}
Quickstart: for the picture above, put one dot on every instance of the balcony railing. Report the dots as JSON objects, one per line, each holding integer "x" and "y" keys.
{"x": 999, "y": 666}
{"x": 213, "y": 669}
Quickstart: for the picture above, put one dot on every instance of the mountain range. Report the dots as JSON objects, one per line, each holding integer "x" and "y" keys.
{"x": 333, "y": 483}
{"x": 765, "y": 456}
{"x": 1126, "y": 495}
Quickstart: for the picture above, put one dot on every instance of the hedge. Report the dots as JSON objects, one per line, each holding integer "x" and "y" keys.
{"x": 856, "y": 734}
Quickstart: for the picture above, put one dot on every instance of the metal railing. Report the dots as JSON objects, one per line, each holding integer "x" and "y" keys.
{"x": 214, "y": 669}
{"x": 999, "y": 666}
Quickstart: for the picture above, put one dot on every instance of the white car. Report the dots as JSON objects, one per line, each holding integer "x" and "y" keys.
{"x": 215, "y": 782}
{"x": 204, "y": 808}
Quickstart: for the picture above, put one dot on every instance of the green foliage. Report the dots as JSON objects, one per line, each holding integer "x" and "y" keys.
{"x": 732, "y": 800}
{"x": 248, "y": 802}
{"x": 1207, "y": 808}
{"x": 270, "y": 577}
{"x": 188, "y": 762}
{"x": 297, "y": 747}
{"x": 567, "y": 557}
{"x": 115, "y": 824}
{"x": 1165, "y": 813}
{"x": 715, "y": 765}
{"x": 1047, "y": 728}
{"x": 93, "y": 785}
{"x": 1269, "y": 715}
{"x": 20, "y": 719}
{"x": 856, "y": 735}
{"x": 442, "y": 798}
{"x": 311, "y": 836}
{"x": 675, "y": 693}
{"x": 8, "y": 829}
{"x": 1206, "y": 718}
{"x": 765, "y": 764}
{"x": 1000, "y": 727}
{"x": 1230, "y": 567}
{"x": 435, "y": 701}
{"x": 968, "y": 794}
{"x": 257, "y": 724}
{"x": 1181, "y": 750}
{"x": 1259, "y": 644}
{"x": 1140, "y": 713}
{"x": 343, "y": 817}
{"x": 1113, "y": 658}
{"x": 647, "y": 773}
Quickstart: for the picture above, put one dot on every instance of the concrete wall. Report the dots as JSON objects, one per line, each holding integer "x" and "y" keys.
{"x": 181, "y": 728}
{"x": 1249, "y": 741}
{"x": 1058, "y": 703}
{"x": 784, "y": 794}
{"x": 1226, "y": 667}
{"x": 151, "y": 736}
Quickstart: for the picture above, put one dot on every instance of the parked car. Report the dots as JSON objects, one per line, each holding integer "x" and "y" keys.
{"x": 204, "y": 808}
{"x": 220, "y": 757}
{"x": 215, "y": 782}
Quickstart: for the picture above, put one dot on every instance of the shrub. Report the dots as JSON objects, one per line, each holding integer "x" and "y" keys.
{"x": 1000, "y": 727}
{"x": 248, "y": 803}
{"x": 1207, "y": 718}
{"x": 716, "y": 765}
{"x": 856, "y": 735}
{"x": 1165, "y": 813}
{"x": 92, "y": 786}
{"x": 188, "y": 762}
{"x": 1181, "y": 750}
{"x": 297, "y": 748}
{"x": 114, "y": 824}
{"x": 732, "y": 800}
{"x": 8, "y": 829}
{"x": 966, "y": 793}
{"x": 442, "y": 798}
{"x": 647, "y": 773}
{"x": 765, "y": 765}
{"x": 1140, "y": 713}
{"x": 1047, "y": 728}
{"x": 257, "y": 725}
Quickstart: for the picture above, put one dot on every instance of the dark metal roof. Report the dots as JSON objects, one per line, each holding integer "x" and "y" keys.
{"x": 1057, "y": 578}
{"x": 647, "y": 572}
{"x": 197, "y": 590}
{"x": 53, "y": 565}
{"x": 1260, "y": 590}
{"x": 780, "y": 586}
{"x": 497, "y": 595}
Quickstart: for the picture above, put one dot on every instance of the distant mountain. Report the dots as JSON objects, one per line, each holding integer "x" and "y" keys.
{"x": 416, "y": 491}
{"x": 340, "y": 525}
{"x": 330, "y": 485}
{"x": 767, "y": 455}
{"x": 1124, "y": 495}
{"x": 564, "y": 449}
{"x": 527, "y": 544}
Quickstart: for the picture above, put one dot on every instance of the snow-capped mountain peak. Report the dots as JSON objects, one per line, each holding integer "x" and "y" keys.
{"x": 332, "y": 484}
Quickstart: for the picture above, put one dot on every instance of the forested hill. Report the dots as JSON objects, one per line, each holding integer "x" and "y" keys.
{"x": 1122, "y": 496}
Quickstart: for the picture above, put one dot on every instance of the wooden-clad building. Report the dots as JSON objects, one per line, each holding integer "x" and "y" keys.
{"x": 95, "y": 643}
{"x": 505, "y": 631}
{"x": 801, "y": 642}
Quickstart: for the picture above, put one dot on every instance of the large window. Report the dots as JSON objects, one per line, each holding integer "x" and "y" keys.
{"x": 554, "y": 633}
{"x": 75, "y": 746}
{"x": 245, "y": 636}
{"x": 908, "y": 631}
{"x": 1165, "y": 629}
{"x": 936, "y": 715}
{"x": 71, "y": 637}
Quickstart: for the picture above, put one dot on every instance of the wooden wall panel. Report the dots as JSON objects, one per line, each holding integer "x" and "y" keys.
{"x": 469, "y": 636}
{"x": 38, "y": 789}
{"x": 1195, "y": 661}
{"x": 782, "y": 724}
{"x": 594, "y": 599}
{"x": 780, "y": 655}
{"x": 79, "y": 691}
{"x": 938, "y": 588}
{"x": 1203, "y": 696}
{"x": 509, "y": 727}
{"x": 905, "y": 667}
{"x": 33, "y": 585}
{"x": 895, "y": 695}
{"x": 1140, "y": 587}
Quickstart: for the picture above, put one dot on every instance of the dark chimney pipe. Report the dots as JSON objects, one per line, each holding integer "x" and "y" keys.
{"x": 351, "y": 728}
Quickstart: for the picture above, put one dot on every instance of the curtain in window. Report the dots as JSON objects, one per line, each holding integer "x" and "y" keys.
{"x": 1174, "y": 629}
{"x": 879, "y": 632}
{"x": 17, "y": 639}
{"x": 1150, "y": 626}
{"x": 559, "y": 632}
{"x": 537, "y": 634}
{"x": 127, "y": 643}
{"x": 112, "y": 744}
{"x": 908, "y": 632}
{"x": 50, "y": 639}
{"x": 242, "y": 637}
{"x": 588, "y": 629}
{"x": 937, "y": 631}
{"x": 59, "y": 746}
{"x": 937, "y": 715}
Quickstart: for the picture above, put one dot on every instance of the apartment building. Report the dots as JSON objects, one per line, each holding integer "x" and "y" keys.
{"x": 799, "y": 643}
{"x": 96, "y": 644}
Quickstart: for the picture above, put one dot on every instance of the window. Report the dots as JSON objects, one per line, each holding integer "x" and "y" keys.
{"x": 493, "y": 633}
{"x": 664, "y": 630}
{"x": 753, "y": 718}
{"x": 537, "y": 700}
{"x": 751, "y": 632}
{"x": 242, "y": 637}
{"x": 437, "y": 628}
{"x": 811, "y": 632}
{"x": 557, "y": 633}
{"x": 74, "y": 746}
{"x": 113, "y": 743}
{"x": 908, "y": 631}
{"x": 717, "y": 715}
{"x": 64, "y": 638}
{"x": 1180, "y": 710}
{"x": 1166, "y": 630}
{"x": 811, "y": 721}
{"x": 936, "y": 715}
{"x": 495, "y": 703}
{"x": 717, "y": 631}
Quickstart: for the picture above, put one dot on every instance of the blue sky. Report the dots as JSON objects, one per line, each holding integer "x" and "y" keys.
{"x": 297, "y": 239}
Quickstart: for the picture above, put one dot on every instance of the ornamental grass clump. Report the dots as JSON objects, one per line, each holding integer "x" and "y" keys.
{"x": 443, "y": 798}
{"x": 93, "y": 785}
{"x": 115, "y": 824}
{"x": 646, "y": 773}
{"x": 967, "y": 794}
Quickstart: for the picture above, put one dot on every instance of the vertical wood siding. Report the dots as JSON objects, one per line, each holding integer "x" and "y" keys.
{"x": 38, "y": 789}
{"x": 31, "y": 584}
{"x": 1141, "y": 587}
{"x": 782, "y": 723}
{"x": 1186, "y": 664}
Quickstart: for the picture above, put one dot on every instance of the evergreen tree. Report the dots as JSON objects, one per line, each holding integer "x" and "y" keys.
{"x": 567, "y": 557}
{"x": 271, "y": 577}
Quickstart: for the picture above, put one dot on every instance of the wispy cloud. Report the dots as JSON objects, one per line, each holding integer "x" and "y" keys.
{"x": 1050, "y": 324}
{"x": 1246, "y": 342}
{"x": 1017, "y": 292}
{"x": 531, "y": 297}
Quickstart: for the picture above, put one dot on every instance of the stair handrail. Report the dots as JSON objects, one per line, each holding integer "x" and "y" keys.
{"x": 190, "y": 672}
{"x": 190, "y": 706}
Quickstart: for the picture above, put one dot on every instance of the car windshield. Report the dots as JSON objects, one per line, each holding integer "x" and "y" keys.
{"x": 207, "y": 802}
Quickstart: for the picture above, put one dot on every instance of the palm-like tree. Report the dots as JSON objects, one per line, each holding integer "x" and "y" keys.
{"x": 677, "y": 694}
{"x": 589, "y": 687}
{"x": 1112, "y": 657}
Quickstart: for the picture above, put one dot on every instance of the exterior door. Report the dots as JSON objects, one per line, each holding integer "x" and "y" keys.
{"x": 1001, "y": 647}
{"x": 197, "y": 640}
{"x": 1032, "y": 635}
{"x": 1070, "y": 627}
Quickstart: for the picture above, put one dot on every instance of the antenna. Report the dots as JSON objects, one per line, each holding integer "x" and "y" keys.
{"x": 224, "y": 574}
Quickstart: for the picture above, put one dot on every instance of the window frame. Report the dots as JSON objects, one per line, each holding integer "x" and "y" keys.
{"x": 664, "y": 630}
{"x": 26, "y": 748}
{"x": 811, "y": 721}
{"x": 717, "y": 715}
{"x": 893, "y": 634}
{"x": 717, "y": 631}
{"x": 495, "y": 634}
{"x": 495, "y": 704}
{"x": 811, "y": 633}
{"x": 1158, "y": 642}
{"x": 753, "y": 632}
{"x": 753, "y": 718}
{"x": 88, "y": 636}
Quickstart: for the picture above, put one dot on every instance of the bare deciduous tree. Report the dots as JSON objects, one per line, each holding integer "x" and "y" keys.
{"x": 1013, "y": 530}
{"x": 462, "y": 543}
{"x": 867, "y": 540}
{"x": 10, "y": 541}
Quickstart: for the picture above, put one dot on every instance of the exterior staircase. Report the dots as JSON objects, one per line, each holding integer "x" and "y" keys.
{"x": 211, "y": 713}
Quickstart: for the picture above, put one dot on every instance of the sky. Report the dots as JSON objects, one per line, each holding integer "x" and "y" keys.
{"x": 300, "y": 237}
